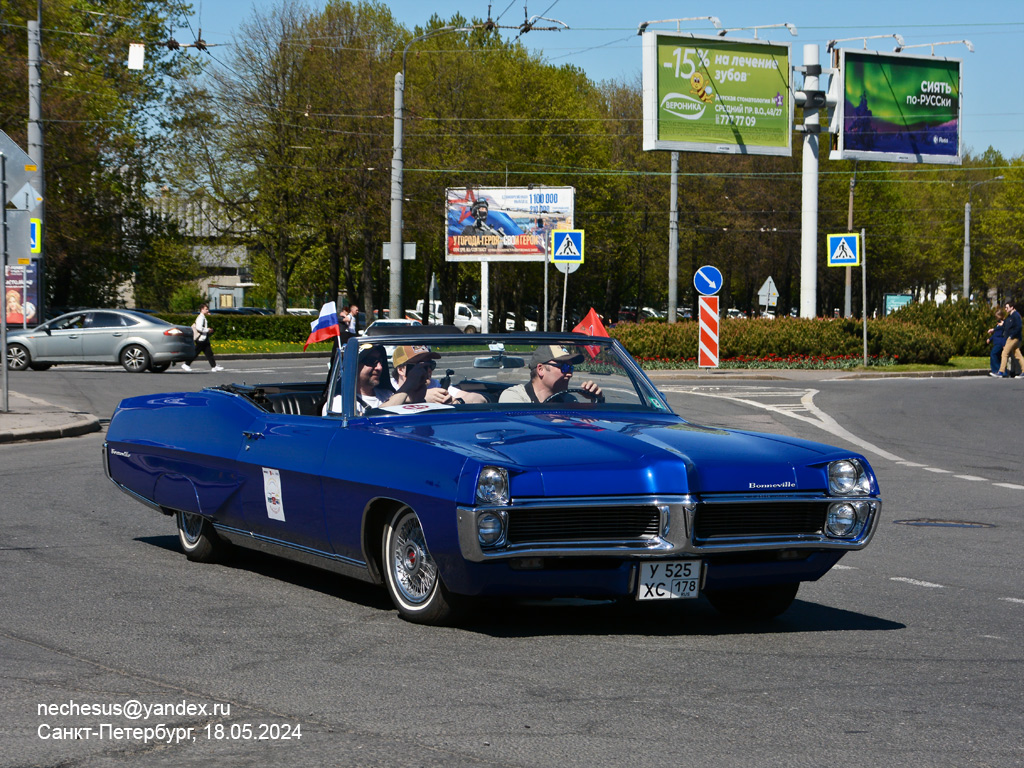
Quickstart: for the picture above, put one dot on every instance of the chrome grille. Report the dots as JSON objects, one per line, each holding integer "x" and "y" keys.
{"x": 744, "y": 519}
{"x": 583, "y": 524}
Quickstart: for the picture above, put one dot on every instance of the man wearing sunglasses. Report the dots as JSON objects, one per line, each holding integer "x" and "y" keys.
{"x": 419, "y": 362}
{"x": 373, "y": 388}
{"x": 551, "y": 369}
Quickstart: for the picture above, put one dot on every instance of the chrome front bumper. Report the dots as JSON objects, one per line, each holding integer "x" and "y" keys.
{"x": 673, "y": 534}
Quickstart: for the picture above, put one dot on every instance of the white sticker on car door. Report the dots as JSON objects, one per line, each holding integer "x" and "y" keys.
{"x": 272, "y": 494}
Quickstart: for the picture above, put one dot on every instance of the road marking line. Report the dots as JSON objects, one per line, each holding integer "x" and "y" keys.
{"x": 915, "y": 582}
{"x": 806, "y": 412}
{"x": 1013, "y": 600}
{"x": 809, "y": 413}
{"x": 843, "y": 568}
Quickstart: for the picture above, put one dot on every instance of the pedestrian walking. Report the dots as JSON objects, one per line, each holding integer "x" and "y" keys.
{"x": 201, "y": 331}
{"x": 1012, "y": 329}
{"x": 997, "y": 338}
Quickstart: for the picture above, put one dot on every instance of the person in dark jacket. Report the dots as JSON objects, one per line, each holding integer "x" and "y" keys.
{"x": 1012, "y": 329}
{"x": 997, "y": 338}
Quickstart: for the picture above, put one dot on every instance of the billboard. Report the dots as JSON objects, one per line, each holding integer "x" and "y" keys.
{"x": 505, "y": 223}
{"x": 706, "y": 94}
{"x": 21, "y": 294}
{"x": 898, "y": 108}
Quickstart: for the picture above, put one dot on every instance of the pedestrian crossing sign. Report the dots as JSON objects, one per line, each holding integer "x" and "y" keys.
{"x": 567, "y": 246}
{"x": 844, "y": 250}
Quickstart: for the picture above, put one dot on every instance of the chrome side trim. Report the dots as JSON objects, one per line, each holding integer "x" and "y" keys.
{"x": 678, "y": 514}
{"x": 328, "y": 561}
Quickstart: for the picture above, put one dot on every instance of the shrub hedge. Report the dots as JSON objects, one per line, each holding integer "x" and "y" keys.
{"x": 965, "y": 324}
{"x": 256, "y": 327}
{"x": 918, "y": 333}
{"x": 761, "y": 338}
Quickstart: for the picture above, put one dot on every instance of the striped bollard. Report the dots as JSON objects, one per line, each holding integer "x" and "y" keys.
{"x": 707, "y": 353}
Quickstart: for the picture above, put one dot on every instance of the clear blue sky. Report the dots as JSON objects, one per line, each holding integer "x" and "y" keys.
{"x": 602, "y": 38}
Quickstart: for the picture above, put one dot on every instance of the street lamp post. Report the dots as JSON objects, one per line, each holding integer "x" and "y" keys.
{"x": 397, "y": 166}
{"x": 967, "y": 234}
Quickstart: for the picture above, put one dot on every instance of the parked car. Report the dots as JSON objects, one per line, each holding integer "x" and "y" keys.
{"x": 510, "y": 323}
{"x": 387, "y": 325}
{"x": 240, "y": 311}
{"x": 138, "y": 341}
{"x": 467, "y": 316}
{"x": 588, "y": 494}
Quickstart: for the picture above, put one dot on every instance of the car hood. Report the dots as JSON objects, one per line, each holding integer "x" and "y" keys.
{"x": 551, "y": 454}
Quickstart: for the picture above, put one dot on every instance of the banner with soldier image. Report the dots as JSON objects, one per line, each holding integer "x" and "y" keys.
{"x": 505, "y": 223}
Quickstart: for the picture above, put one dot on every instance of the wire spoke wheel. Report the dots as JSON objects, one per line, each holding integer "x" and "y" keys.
{"x": 415, "y": 570}
{"x": 411, "y": 574}
{"x": 199, "y": 541}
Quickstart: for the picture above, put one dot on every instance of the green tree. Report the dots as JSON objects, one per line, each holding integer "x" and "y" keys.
{"x": 103, "y": 128}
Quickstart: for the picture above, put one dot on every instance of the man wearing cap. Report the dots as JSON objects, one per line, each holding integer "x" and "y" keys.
{"x": 551, "y": 368}
{"x": 407, "y": 358}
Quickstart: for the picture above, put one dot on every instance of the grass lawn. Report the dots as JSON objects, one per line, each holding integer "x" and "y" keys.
{"x": 253, "y": 347}
{"x": 955, "y": 364}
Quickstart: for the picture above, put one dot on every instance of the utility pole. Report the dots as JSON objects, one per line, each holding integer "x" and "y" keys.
{"x": 809, "y": 197}
{"x": 848, "y": 308}
{"x": 35, "y": 143}
{"x": 673, "y": 240}
{"x": 967, "y": 234}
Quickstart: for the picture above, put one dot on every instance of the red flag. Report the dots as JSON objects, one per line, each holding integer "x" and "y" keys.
{"x": 592, "y": 326}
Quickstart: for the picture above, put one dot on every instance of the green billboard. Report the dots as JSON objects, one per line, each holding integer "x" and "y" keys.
{"x": 898, "y": 108}
{"x": 712, "y": 95}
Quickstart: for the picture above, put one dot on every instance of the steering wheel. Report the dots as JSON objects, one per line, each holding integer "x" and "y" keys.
{"x": 557, "y": 396}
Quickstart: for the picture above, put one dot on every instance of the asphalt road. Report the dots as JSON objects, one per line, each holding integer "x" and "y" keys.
{"x": 909, "y": 653}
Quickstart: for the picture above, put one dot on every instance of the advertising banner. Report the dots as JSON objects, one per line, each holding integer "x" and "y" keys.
{"x": 505, "y": 223}
{"x": 713, "y": 95}
{"x": 898, "y": 108}
{"x": 21, "y": 295}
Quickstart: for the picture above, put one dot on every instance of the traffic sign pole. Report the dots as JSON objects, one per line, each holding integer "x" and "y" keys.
{"x": 707, "y": 345}
{"x": 3, "y": 247}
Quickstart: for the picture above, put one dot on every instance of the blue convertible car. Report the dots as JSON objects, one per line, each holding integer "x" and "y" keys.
{"x": 453, "y": 468}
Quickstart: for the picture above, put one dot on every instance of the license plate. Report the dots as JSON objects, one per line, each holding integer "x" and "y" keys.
{"x": 669, "y": 580}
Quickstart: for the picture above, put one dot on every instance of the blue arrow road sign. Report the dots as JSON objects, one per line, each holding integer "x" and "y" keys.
{"x": 707, "y": 280}
{"x": 35, "y": 235}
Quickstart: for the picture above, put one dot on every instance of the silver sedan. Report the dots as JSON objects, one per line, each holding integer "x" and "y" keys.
{"x": 135, "y": 340}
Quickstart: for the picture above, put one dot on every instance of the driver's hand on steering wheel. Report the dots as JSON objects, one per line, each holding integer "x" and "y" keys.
{"x": 591, "y": 387}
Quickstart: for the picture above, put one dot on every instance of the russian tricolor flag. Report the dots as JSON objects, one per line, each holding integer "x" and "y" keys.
{"x": 325, "y": 326}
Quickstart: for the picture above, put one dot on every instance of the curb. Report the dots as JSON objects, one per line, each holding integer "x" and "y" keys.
{"x": 808, "y": 373}
{"x": 76, "y": 423}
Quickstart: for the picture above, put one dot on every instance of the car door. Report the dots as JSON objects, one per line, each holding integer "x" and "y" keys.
{"x": 61, "y": 342}
{"x": 102, "y": 335}
{"x": 281, "y": 459}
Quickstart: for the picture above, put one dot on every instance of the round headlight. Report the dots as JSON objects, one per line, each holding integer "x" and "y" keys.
{"x": 492, "y": 486}
{"x": 490, "y": 528}
{"x": 842, "y": 476}
{"x": 842, "y": 519}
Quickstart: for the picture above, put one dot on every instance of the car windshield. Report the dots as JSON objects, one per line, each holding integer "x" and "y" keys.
{"x": 494, "y": 372}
